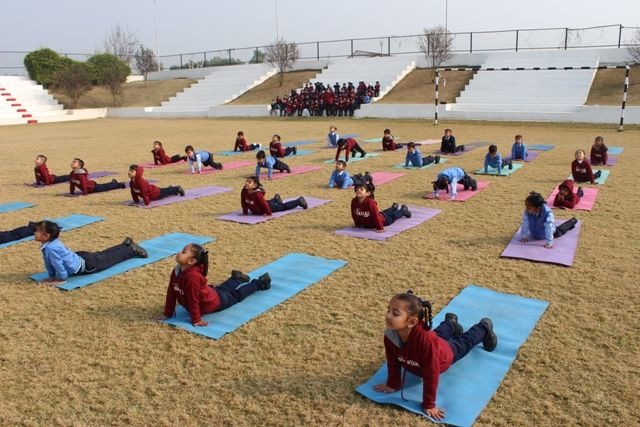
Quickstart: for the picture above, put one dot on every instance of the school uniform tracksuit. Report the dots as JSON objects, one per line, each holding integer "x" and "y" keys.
{"x": 141, "y": 189}
{"x": 367, "y": 215}
{"x": 333, "y": 138}
{"x": 493, "y": 161}
{"x": 242, "y": 145}
{"x": 350, "y": 147}
{"x": 276, "y": 150}
{"x": 341, "y": 179}
{"x": 271, "y": 163}
{"x": 453, "y": 175}
{"x": 255, "y": 202}
{"x": 518, "y": 151}
{"x": 161, "y": 158}
{"x": 599, "y": 155}
{"x": 416, "y": 159}
{"x": 202, "y": 158}
{"x": 43, "y": 177}
{"x": 448, "y": 145}
{"x": 79, "y": 179}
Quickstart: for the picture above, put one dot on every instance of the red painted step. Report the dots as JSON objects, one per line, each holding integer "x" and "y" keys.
{"x": 1, "y": 88}
{"x": 5, "y": 94}
{"x": 24, "y": 116}
{"x": 16, "y": 105}
{"x": 21, "y": 110}
{"x": 32, "y": 122}
{"x": 11, "y": 99}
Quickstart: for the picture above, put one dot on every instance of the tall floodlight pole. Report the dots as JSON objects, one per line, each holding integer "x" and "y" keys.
{"x": 446, "y": 14}
{"x": 277, "y": 29}
{"x": 155, "y": 8}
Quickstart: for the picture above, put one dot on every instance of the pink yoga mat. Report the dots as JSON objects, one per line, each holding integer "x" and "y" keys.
{"x": 562, "y": 253}
{"x": 295, "y": 170}
{"x": 380, "y": 178}
{"x": 94, "y": 175}
{"x": 418, "y": 216}
{"x": 255, "y": 219}
{"x": 226, "y": 166}
{"x": 190, "y": 194}
{"x": 585, "y": 204}
{"x": 152, "y": 165}
{"x": 462, "y": 195}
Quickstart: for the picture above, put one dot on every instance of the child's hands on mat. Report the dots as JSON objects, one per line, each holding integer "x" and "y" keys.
{"x": 383, "y": 388}
{"x": 379, "y": 231}
{"x": 161, "y": 318}
{"x": 524, "y": 240}
{"x": 52, "y": 281}
{"x": 201, "y": 323}
{"x": 548, "y": 246}
{"x": 435, "y": 413}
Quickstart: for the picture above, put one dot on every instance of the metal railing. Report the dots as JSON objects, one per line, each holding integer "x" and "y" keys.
{"x": 560, "y": 38}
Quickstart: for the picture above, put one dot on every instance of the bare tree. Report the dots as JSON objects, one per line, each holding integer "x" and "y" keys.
{"x": 282, "y": 55}
{"x": 122, "y": 43}
{"x": 114, "y": 76}
{"x": 634, "y": 49}
{"x": 145, "y": 61}
{"x": 74, "y": 80}
{"x": 436, "y": 44}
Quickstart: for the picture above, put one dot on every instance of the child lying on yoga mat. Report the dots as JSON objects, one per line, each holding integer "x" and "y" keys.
{"x": 252, "y": 199}
{"x": 581, "y": 169}
{"x": 43, "y": 177}
{"x": 61, "y": 262}
{"x": 141, "y": 189}
{"x": 241, "y": 144}
{"x": 566, "y": 198}
{"x": 410, "y": 344}
{"x": 538, "y": 222}
{"x": 18, "y": 233}
{"x": 518, "y": 149}
{"x": 340, "y": 178}
{"x": 388, "y": 143}
{"x": 161, "y": 158}
{"x": 365, "y": 213}
{"x": 599, "y": 152}
{"x": 188, "y": 286}
{"x": 449, "y": 178}
{"x": 79, "y": 179}
{"x": 414, "y": 157}
{"x": 494, "y": 159}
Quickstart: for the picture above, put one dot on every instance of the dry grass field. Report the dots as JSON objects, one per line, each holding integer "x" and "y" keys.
{"x": 95, "y": 357}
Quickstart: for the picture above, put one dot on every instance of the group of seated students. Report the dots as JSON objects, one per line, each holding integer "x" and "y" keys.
{"x": 319, "y": 99}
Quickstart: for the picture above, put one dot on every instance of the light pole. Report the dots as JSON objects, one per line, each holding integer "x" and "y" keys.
{"x": 446, "y": 14}
{"x": 155, "y": 8}
{"x": 277, "y": 29}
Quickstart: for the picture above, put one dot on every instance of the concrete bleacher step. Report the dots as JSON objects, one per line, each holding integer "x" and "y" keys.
{"x": 22, "y": 101}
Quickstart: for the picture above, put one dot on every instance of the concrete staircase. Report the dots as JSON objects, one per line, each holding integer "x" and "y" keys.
{"x": 222, "y": 85}
{"x": 560, "y": 91}
{"x": 22, "y": 101}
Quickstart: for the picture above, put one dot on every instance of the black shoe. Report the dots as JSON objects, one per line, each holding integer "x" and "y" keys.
{"x": 473, "y": 184}
{"x": 405, "y": 211}
{"x": 128, "y": 241}
{"x": 139, "y": 251}
{"x": 452, "y": 319}
{"x": 510, "y": 165}
{"x": 218, "y": 166}
{"x": 597, "y": 174}
{"x": 277, "y": 198}
{"x": 461, "y": 148}
{"x": 180, "y": 191}
{"x": 264, "y": 282}
{"x": 437, "y": 159}
{"x": 580, "y": 193}
{"x": 363, "y": 154}
{"x": 302, "y": 202}
{"x": 239, "y": 275}
{"x": 295, "y": 150}
{"x": 33, "y": 225}
{"x": 288, "y": 169}
{"x": 490, "y": 341}
{"x": 395, "y": 206}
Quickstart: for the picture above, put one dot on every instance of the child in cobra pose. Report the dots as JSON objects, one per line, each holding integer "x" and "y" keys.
{"x": 518, "y": 149}
{"x": 140, "y": 187}
{"x": 252, "y": 199}
{"x": 79, "y": 178}
{"x": 61, "y": 262}
{"x": 494, "y": 159}
{"x": 410, "y": 344}
{"x": 388, "y": 143}
{"x": 365, "y": 213}
{"x": 43, "y": 177}
{"x": 242, "y": 145}
{"x": 340, "y": 178}
{"x": 581, "y": 169}
{"x": 566, "y": 198}
{"x": 448, "y": 144}
{"x": 538, "y": 222}
{"x": 332, "y": 136}
{"x": 201, "y": 158}
{"x": 276, "y": 150}
{"x": 599, "y": 152}
{"x": 161, "y": 158}
{"x": 188, "y": 286}
{"x": 414, "y": 157}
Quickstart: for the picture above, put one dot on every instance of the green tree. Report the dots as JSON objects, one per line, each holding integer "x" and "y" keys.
{"x": 100, "y": 62}
{"x": 114, "y": 75}
{"x": 74, "y": 80}
{"x": 42, "y": 65}
{"x": 145, "y": 61}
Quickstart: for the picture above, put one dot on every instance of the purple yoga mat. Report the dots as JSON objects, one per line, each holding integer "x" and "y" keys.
{"x": 531, "y": 156}
{"x": 295, "y": 170}
{"x": 255, "y": 219}
{"x": 562, "y": 253}
{"x": 611, "y": 161}
{"x": 190, "y": 194}
{"x": 418, "y": 216}
{"x": 94, "y": 175}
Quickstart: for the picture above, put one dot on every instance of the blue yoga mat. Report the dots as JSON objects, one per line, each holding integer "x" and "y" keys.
{"x": 540, "y": 147}
{"x": 494, "y": 171}
{"x": 14, "y": 206}
{"x": 66, "y": 223}
{"x": 468, "y": 385}
{"x": 158, "y": 248}
{"x": 430, "y": 165}
{"x": 235, "y": 153}
{"x": 297, "y": 143}
{"x": 350, "y": 135}
{"x": 615, "y": 150}
{"x": 604, "y": 174}
{"x": 289, "y": 275}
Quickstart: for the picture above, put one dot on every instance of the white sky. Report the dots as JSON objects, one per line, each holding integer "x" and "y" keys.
{"x": 196, "y": 25}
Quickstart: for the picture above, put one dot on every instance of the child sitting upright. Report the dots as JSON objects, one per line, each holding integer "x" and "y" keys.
{"x": 161, "y": 158}
{"x": 350, "y": 145}
{"x": 252, "y": 199}
{"x": 276, "y": 150}
{"x": 242, "y": 145}
{"x": 332, "y": 137}
{"x": 140, "y": 187}
{"x": 566, "y": 198}
{"x": 538, "y": 222}
{"x": 340, "y": 178}
{"x": 189, "y": 287}
{"x": 201, "y": 158}
{"x": 414, "y": 157}
{"x": 449, "y": 178}
{"x": 388, "y": 143}
{"x": 270, "y": 163}
{"x": 43, "y": 177}
{"x": 581, "y": 169}
{"x": 365, "y": 213}
{"x": 599, "y": 152}
{"x": 494, "y": 159}
{"x": 518, "y": 149}
{"x": 61, "y": 262}
{"x": 448, "y": 144}
{"x": 79, "y": 178}
{"x": 411, "y": 345}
